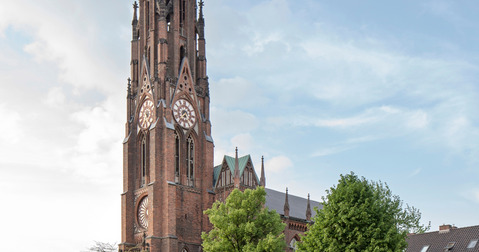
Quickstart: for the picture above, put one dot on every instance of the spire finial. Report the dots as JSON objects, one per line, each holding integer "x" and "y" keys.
{"x": 286, "y": 204}
{"x": 262, "y": 180}
{"x": 201, "y": 4}
{"x": 237, "y": 171}
{"x": 308, "y": 210}
{"x": 135, "y": 16}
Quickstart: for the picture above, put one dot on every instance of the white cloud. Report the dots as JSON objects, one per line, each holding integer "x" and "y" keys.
{"x": 55, "y": 98}
{"x": 244, "y": 142}
{"x": 232, "y": 121}
{"x": 415, "y": 172}
{"x": 417, "y": 120}
{"x": 236, "y": 92}
{"x": 10, "y": 126}
{"x": 278, "y": 164}
{"x": 98, "y": 144}
{"x": 331, "y": 151}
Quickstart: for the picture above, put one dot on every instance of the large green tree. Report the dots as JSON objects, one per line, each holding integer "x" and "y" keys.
{"x": 242, "y": 223}
{"x": 360, "y": 215}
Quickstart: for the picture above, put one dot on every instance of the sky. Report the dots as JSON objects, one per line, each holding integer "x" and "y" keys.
{"x": 388, "y": 90}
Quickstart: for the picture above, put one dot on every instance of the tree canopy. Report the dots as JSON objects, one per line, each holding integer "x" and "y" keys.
{"x": 103, "y": 247}
{"x": 359, "y": 215}
{"x": 242, "y": 223}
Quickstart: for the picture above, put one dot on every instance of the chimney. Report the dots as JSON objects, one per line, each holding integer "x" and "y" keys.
{"x": 446, "y": 228}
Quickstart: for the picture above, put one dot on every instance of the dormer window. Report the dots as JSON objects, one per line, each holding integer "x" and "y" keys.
{"x": 425, "y": 248}
{"x": 472, "y": 244}
{"x": 449, "y": 246}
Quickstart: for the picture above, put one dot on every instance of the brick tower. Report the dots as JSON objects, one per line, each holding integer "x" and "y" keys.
{"x": 168, "y": 149}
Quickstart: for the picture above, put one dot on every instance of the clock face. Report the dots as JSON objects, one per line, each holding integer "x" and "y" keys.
{"x": 146, "y": 114}
{"x": 142, "y": 213}
{"x": 184, "y": 113}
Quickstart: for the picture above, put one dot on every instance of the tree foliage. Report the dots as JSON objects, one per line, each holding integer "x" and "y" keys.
{"x": 103, "y": 247}
{"x": 243, "y": 224}
{"x": 359, "y": 215}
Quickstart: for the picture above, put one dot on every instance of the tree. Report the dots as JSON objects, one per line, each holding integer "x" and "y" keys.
{"x": 103, "y": 247}
{"x": 359, "y": 215}
{"x": 243, "y": 224}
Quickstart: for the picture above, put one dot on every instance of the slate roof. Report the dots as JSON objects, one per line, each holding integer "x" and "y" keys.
{"x": 230, "y": 162}
{"x": 438, "y": 240}
{"x": 297, "y": 205}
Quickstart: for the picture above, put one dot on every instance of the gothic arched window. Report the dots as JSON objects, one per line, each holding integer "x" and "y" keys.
{"x": 223, "y": 178}
{"x": 143, "y": 157}
{"x": 250, "y": 178}
{"x": 293, "y": 244}
{"x": 190, "y": 160}
{"x": 228, "y": 176}
{"x": 177, "y": 157}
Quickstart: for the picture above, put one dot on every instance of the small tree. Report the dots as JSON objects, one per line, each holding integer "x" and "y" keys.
{"x": 103, "y": 247}
{"x": 243, "y": 224}
{"x": 359, "y": 215}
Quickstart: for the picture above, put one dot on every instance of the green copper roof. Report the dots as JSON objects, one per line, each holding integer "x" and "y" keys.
{"x": 230, "y": 162}
{"x": 216, "y": 174}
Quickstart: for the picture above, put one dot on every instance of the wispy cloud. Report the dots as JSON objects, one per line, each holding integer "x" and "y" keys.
{"x": 415, "y": 172}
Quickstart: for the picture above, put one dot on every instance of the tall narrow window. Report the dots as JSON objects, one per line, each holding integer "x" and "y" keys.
{"x": 177, "y": 158}
{"x": 228, "y": 176}
{"x": 190, "y": 158}
{"x": 168, "y": 23}
{"x": 182, "y": 15}
{"x": 147, "y": 18}
{"x": 143, "y": 161}
{"x": 223, "y": 178}
{"x": 250, "y": 179}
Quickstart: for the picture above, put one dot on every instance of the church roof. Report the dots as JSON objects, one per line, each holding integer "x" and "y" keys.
{"x": 230, "y": 162}
{"x": 297, "y": 205}
{"x": 450, "y": 239}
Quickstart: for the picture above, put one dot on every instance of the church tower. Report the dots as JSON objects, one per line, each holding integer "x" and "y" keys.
{"x": 168, "y": 148}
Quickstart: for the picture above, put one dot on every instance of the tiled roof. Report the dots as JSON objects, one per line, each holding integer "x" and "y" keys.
{"x": 438, "y": 240}
{"x": 230, "y": 162}
{"x": 297, "y": 205}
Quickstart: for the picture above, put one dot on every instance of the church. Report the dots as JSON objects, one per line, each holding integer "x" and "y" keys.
{"x": 169, "y": 176}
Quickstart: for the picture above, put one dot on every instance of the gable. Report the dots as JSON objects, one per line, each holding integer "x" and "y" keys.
{"x": 229, "y": 162}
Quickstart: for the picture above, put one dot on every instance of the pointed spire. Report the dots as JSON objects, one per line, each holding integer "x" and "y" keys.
{"x": 201, "y": 21}
{"x": 134, "y": 23}
{"x": 201, "y": 4}
{"x": 135, "y": 15}
{"x": 308, "y": 210}
{"x": 262, "y": 180}
{"x": 286, "y": 204}
{"x": 237, "y": 171}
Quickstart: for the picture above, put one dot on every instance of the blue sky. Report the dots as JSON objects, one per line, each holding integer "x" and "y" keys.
{"x": 388, "y": 90}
